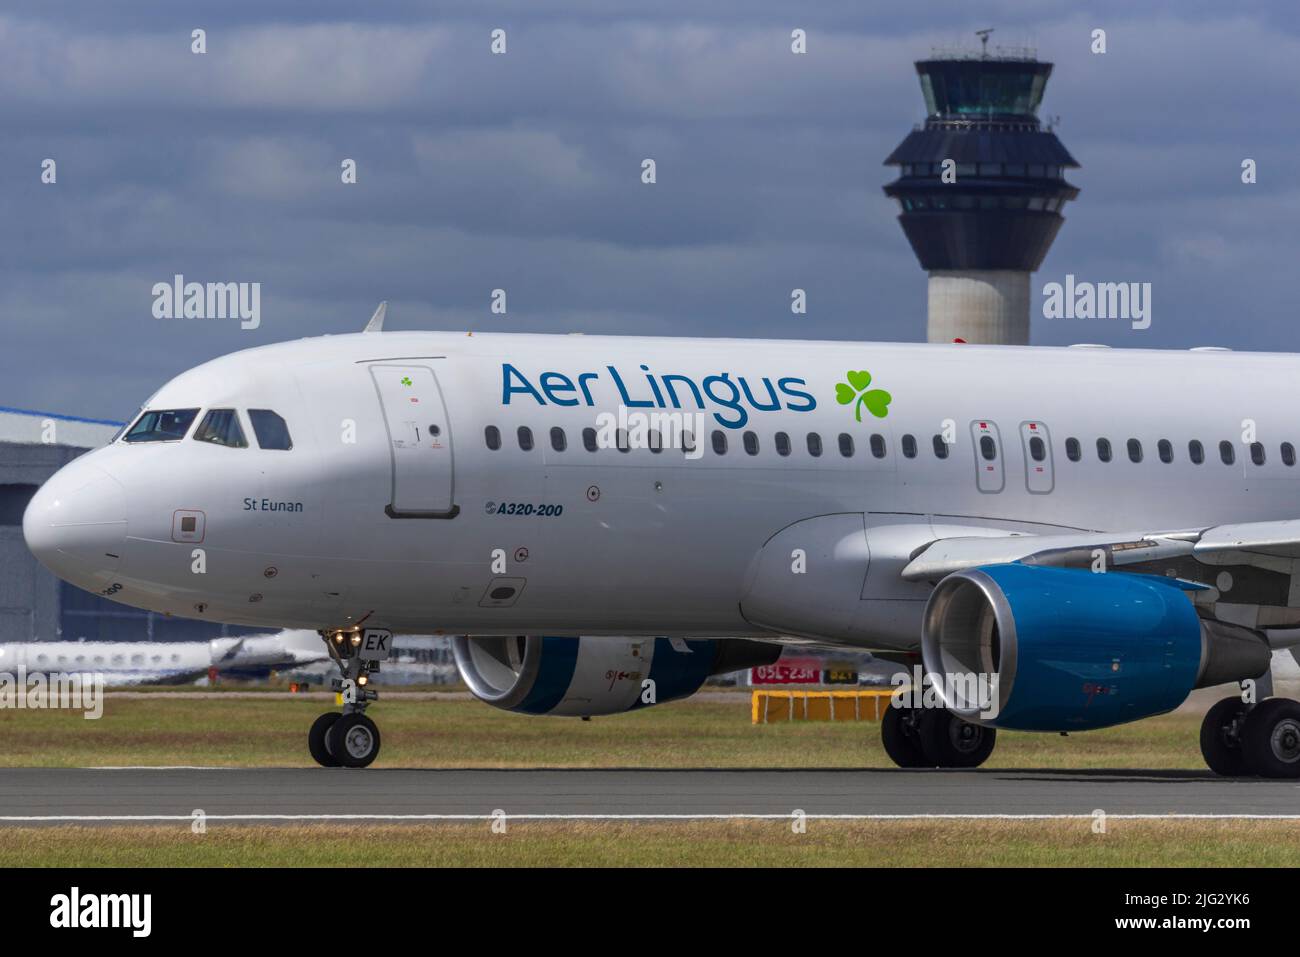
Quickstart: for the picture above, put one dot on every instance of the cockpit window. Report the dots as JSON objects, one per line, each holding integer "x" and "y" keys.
{"x": 161, "y": 426}
{"x": 221, "y": 427}
{"x": 272, "y": 431}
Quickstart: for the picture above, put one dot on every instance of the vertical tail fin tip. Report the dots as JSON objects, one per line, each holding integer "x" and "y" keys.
{"x": 376, "y": 323}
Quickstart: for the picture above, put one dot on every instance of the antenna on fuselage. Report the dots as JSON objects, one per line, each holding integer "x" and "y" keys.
{"x": 376, "y": 323}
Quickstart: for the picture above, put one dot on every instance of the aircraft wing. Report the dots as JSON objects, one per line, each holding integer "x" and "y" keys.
{"x": 1272, "y": 546}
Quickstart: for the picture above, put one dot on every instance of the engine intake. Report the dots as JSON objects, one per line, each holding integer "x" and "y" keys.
{"x": 1057, "y": 649}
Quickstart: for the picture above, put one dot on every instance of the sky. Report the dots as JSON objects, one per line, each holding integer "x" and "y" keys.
{"x": 522, "y": 172}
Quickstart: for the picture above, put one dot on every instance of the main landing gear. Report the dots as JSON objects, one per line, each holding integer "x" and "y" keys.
{"x": 348, "y": 739}
{"x": 1263, "y": 739}
{"x": 934, "y": 738}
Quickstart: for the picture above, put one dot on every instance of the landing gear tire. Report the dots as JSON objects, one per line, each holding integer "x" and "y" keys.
{"x": 318, "y": 739}
{"x": 1221, "y": 738}
{"x": 950, "y": 742}
{"x": 901, "y": 738}
{"x": 1271, "y": 738}
{"x": 353, "y": 740}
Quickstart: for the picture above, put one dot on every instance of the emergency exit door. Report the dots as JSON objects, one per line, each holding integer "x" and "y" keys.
{"x": 988, "y": 456}
{"x": 419, "y": 441}
{"x": 1037, "y": 446}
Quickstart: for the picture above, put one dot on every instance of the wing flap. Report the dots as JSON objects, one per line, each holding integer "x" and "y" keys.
{"x": 948, "y": 555}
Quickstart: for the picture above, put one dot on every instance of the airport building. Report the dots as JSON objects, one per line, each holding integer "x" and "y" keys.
{"x": 34, "y": 605}
{"x": 981, "y": 190}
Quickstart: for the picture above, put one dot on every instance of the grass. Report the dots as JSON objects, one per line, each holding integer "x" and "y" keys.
{"x": 688, "y": 844}
{"x": 433, "y": 734}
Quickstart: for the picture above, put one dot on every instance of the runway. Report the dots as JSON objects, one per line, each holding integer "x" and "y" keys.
{"x": 251, "y": 795}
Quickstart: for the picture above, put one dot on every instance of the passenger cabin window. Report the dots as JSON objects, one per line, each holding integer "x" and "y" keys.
{"x": 688, "y": 441}
{"x": 221, "y": 427}
{"x": 751, "y": 443}
{"x": 719, "y": 442}
{"x": 272, "y": 432}
{"x": 621, "y": 440}
{"x": 161, "y": 426}
{"x": 492, "y": 436}
{"x": 1196, "y": 451}
{"x": 782, "y": 443}
{"x": 1134, "y": 450}
{"x": 525, "y": 435}
{"x": 1037, "y": 450}
{"x": 814, "y": 444}
{"x": 909, "y": 446}
{"x": 1226, "y": 452}
{"x": 558, "y": 440}
{"x": 1165, "y": 449}
{"x": 589, "y": 439}
{"x": 988, "y": 448}
{"x": 846, "y": 444}
{"x": 940, "y": 447}
{"x": 655, "y": 441}
{"x": 1257, "y": 452}
{"x": 877, "y": 445}
{"x": 1103, "y": 449}
{"x": 1073, "y": 450}
{"x": 1288, "y": 454}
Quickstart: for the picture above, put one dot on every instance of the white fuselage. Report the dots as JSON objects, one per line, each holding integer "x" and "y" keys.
{"x": 354, "y": 522}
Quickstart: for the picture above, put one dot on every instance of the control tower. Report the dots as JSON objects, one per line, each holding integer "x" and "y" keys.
{"x": 981, "y": 189}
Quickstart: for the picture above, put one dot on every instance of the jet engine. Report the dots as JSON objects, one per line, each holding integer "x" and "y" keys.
{"x": 586, "y": 676}
{"x": 1038, "y": 648}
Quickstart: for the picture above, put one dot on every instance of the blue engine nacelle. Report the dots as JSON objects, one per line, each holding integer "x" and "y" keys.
{"x": 1064, "y": 649}
{"x": 587, "y": 676}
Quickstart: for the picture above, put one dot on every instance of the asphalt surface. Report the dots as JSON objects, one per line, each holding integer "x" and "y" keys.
{"x": 95, "y": 795}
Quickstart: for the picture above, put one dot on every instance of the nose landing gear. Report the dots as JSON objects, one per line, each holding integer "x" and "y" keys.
{"x": 348, "y": 739}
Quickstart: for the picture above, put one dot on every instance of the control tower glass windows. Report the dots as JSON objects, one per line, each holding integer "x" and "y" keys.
{"x": 981, "y": 87}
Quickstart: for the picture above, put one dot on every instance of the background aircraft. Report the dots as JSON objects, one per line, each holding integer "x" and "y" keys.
{"x": 149, "y": 662}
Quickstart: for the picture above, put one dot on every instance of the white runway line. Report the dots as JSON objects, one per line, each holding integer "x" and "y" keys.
{"x": 128, "y": 818}
{"x": 159, "y": 767}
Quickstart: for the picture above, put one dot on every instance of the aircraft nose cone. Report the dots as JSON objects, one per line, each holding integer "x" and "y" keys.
{"x": 75, "y": 524}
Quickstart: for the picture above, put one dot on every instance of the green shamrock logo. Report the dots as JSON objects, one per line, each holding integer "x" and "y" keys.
{"x": 406, "y": 380}
{"x": 855, "y": 387}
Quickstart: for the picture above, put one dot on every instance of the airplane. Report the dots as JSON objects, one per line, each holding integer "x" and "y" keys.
{"x": 1059, "y": 539}
{"x": 156, "y": 662}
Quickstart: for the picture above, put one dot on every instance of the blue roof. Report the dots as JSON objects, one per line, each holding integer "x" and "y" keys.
{"x": 62, "y": 418}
